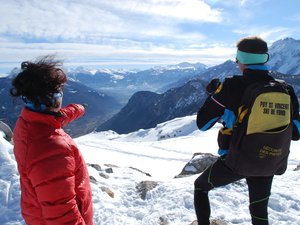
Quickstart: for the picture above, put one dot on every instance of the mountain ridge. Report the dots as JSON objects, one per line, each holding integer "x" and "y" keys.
{"x": 174, "y": 93}
{"x": 181, "y": 99}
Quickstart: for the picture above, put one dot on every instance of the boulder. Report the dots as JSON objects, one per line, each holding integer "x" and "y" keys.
{"x": 103, "y": 175}
{"x": 95, "y": 166}
{"x": 198, "y": 163}
{"x": 93, "y": 180}
{"x": 145, "y": 186}
{"x": 147, "y": 174}
{"x": 163, "y": 221}
{"x": 108, "y": 191}
{"x": 109, "y": 170}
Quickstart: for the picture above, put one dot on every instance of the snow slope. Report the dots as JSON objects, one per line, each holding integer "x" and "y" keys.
{"x": 162, "y": 152}
{"x": 9, "y": 185}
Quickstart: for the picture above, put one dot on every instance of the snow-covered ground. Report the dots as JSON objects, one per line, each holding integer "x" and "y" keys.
{"x": 162, "y": 152}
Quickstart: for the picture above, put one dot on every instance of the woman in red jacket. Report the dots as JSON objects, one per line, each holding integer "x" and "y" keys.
{"x": 55, "y": 186}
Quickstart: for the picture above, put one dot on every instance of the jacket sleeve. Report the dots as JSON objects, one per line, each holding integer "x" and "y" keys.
{"x": 295, "y": 114}
{"x": 209, "y": 114}
{"x": 212, "y": 109}
{"x": 71, "y": 112}
{"x": 220, "y": 106}
{"x": 53, "y": 180}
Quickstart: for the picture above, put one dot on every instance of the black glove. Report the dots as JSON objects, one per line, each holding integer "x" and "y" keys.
{"x": 213, "y": 86}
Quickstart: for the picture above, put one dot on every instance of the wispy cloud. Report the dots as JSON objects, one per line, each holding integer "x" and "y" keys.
{"x": 135, "y": 31}
{"x": 93, "y": 20}
{"x": 268, "y": 33}
{"x": 176, "y": 9}
{"x": 111, "y": 54}
{"x": 294, "y": 17}
{"x": 102, "y": 30}
{"x": 239, "y": 3}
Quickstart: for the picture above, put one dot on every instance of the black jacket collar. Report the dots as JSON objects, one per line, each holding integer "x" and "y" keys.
{"x": 257, "y": 75}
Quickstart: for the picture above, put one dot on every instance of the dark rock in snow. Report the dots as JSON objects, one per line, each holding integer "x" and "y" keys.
{"x": 145, "y": 186}
{"x": 198, "y": 163}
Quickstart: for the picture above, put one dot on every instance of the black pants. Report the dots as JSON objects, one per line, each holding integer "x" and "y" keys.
{"x": 218, "y": 175}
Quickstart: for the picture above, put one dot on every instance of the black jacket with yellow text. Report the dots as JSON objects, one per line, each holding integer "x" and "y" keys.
{"x": 223, "y": 106}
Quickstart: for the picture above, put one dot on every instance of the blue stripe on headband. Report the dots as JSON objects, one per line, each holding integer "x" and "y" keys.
{"x": 257, "y": 67}
{"x": 251, "y": 58}
{"x": 29, "y": 104}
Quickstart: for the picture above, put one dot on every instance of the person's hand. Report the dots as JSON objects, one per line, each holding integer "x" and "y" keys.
{"x": 213, "y": 86}
{"x": 84, "y": 105}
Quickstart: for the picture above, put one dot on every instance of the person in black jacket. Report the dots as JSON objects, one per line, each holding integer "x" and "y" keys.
{"x": 222, "y": 106}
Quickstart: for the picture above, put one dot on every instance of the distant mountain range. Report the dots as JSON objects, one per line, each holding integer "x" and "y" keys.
{"x": 146, "y": 109}
{"x": 100, "y": 107}
{"x": 150, "y": 96}
{"x": 122, "y": 84}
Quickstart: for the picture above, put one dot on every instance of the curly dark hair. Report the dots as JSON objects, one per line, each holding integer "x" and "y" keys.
{"x": 252, "y": 45}
{"x": 39, "y": 80}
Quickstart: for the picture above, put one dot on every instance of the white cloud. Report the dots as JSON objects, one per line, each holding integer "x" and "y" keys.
{"x": 270, "y": 34}
{"x": 295, "y": 17}
{"x": 42, "y": 19}
{"x": 241, "y": 3}
{"x": 102, "y": 31}
{"x": 93, "y": 20}
{"x": 119, "y": 30}
{"x": 93, "y": 54}
{"x": 195, "y": 10}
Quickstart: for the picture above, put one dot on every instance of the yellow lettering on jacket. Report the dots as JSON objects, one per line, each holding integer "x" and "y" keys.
{"x": 269, "y": 151}
{"x": 269, "y": 111}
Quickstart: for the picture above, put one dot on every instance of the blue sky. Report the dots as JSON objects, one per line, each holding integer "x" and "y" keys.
{"x": 138, "y": 33}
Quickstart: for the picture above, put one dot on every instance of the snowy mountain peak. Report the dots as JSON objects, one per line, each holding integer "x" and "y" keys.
{"x": 285, "y": 56}
{"x": 286, "y": 44}
{"x": 180, "y": 66}
{"x": 185, "y": 65}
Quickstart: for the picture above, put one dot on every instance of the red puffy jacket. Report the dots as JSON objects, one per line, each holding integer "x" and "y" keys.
{"x": 55, "y": 186}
